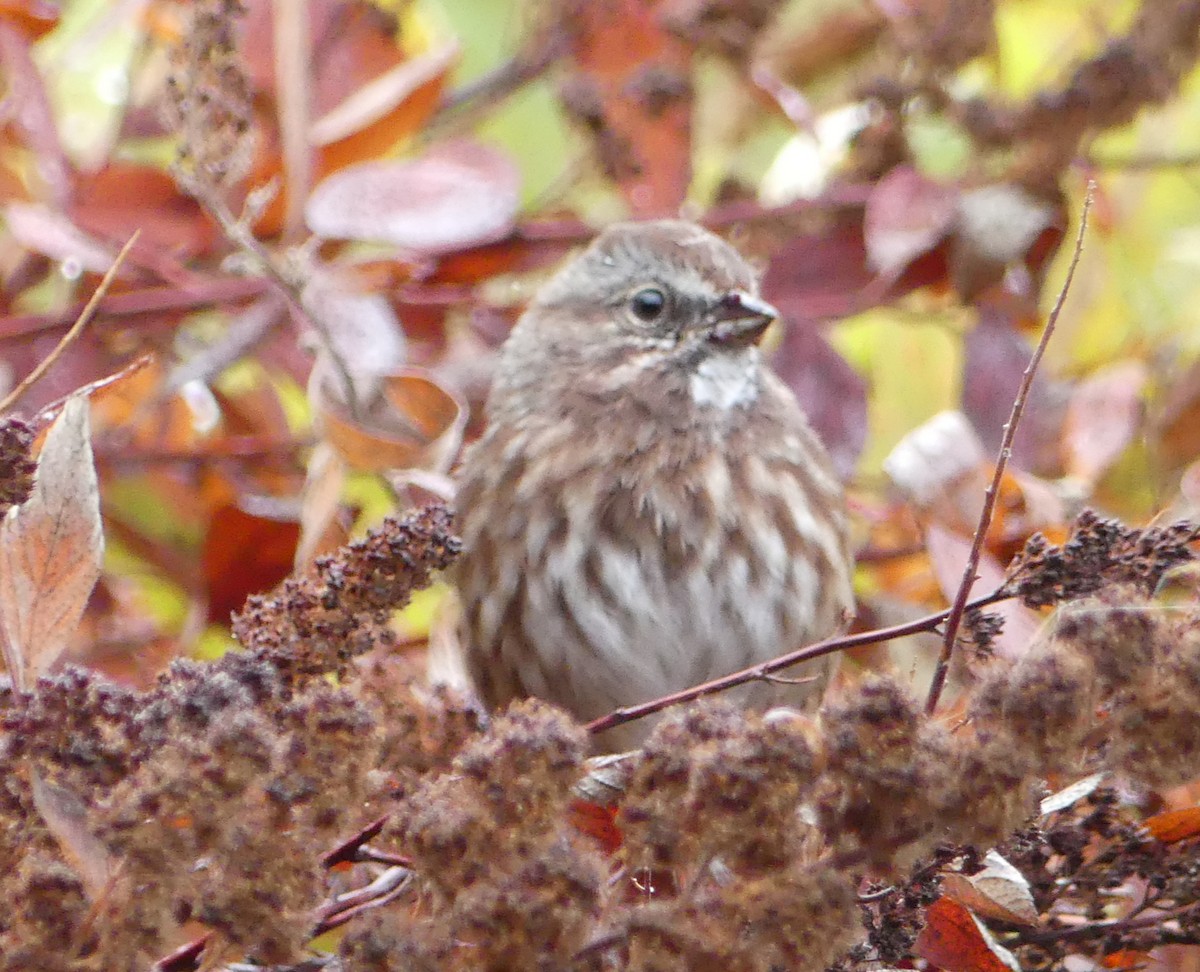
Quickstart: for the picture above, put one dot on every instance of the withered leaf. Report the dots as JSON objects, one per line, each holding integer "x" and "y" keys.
{"x": 51, "y": 547}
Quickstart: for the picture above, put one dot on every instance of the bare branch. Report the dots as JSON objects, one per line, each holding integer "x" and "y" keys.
{"x": 954, "y": 619}
{"x": 929, "y": 622}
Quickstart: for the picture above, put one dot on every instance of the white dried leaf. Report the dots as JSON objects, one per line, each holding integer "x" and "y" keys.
{"x": 457, "y": 195}
{"x": 1070, "y": 795}
{"x": 934, "y": 457}
{"x": 1002, "y": 221}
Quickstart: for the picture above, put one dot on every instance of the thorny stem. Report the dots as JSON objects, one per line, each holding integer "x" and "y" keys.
{"x": 954, "y": 620}
{"x": 929, "y": 622}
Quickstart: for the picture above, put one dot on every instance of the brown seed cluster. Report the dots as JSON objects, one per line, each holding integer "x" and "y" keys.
{"x": 216, "y": 796}
{"x": 209, "y": 100}
{"x": 317, "y": 622}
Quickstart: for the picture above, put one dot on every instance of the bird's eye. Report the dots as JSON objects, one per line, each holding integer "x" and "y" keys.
{"x": 648, "y": 305}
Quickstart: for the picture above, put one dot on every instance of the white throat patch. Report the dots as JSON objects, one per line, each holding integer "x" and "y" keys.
{"x": 725, "y": 380}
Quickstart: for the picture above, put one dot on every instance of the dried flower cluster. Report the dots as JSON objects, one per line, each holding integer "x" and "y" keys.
{"x": 209, "y": 98}
{"x": 220, "y": 797}
{"x": 16, "y": 465}
{"x": 316, "y": 623}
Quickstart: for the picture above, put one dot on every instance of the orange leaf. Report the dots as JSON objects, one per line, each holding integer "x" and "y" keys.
{"x": 382, "y": 111}
{"x": 953, "y": 939}
{"x": 1175, "y": 825}
{"x": 632, "y": 90}
{"x": 416, "y": 424}
{"x": 35, "y": 17}
{"x": 121, "y": 197}
{"x": 1126, "y": 958}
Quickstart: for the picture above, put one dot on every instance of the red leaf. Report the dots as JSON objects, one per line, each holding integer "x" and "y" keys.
{"x": 596, "y": 821}
{"x": 819, "y": 276}
{"x": 907, "y": 216}
{"x": 953, "y": 940}
{"x": 632, "y": 91}
{"x": 244, "y": 554}
{"x": 996, "y": 355}
{"x": 123, "y": 197}
{"x": 1105, "y": 414}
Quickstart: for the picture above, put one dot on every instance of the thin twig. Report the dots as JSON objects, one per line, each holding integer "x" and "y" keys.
{"x": 488, "y": 90}
{"x": 781, "y": 680}
{"x": 370, "y": 855}
{"x": 89, "y": 309}
{"x": 50, "y": 412}
{"x": 598, "y": 946}
{"x": 1099, "y": 929}
{"x": 385, "y": 889}
{"x": 929, "y": 622}
{"x": 954, "y": 620}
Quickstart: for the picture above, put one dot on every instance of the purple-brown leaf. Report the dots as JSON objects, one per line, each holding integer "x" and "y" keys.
{"x": 458, "y": 194}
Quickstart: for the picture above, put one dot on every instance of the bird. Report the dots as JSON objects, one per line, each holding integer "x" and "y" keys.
{"x": 647, "y": 507}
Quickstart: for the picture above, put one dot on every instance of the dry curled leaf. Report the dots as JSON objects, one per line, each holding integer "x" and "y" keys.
{"x": 1068, "y": 796}
{"x": 413, "y": 423}
{"x": 998, "y": 891}
{"x": 51, "y": 547}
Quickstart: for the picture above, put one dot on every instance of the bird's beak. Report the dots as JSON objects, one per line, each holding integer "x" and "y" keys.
{"x": 739, "y": 320}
